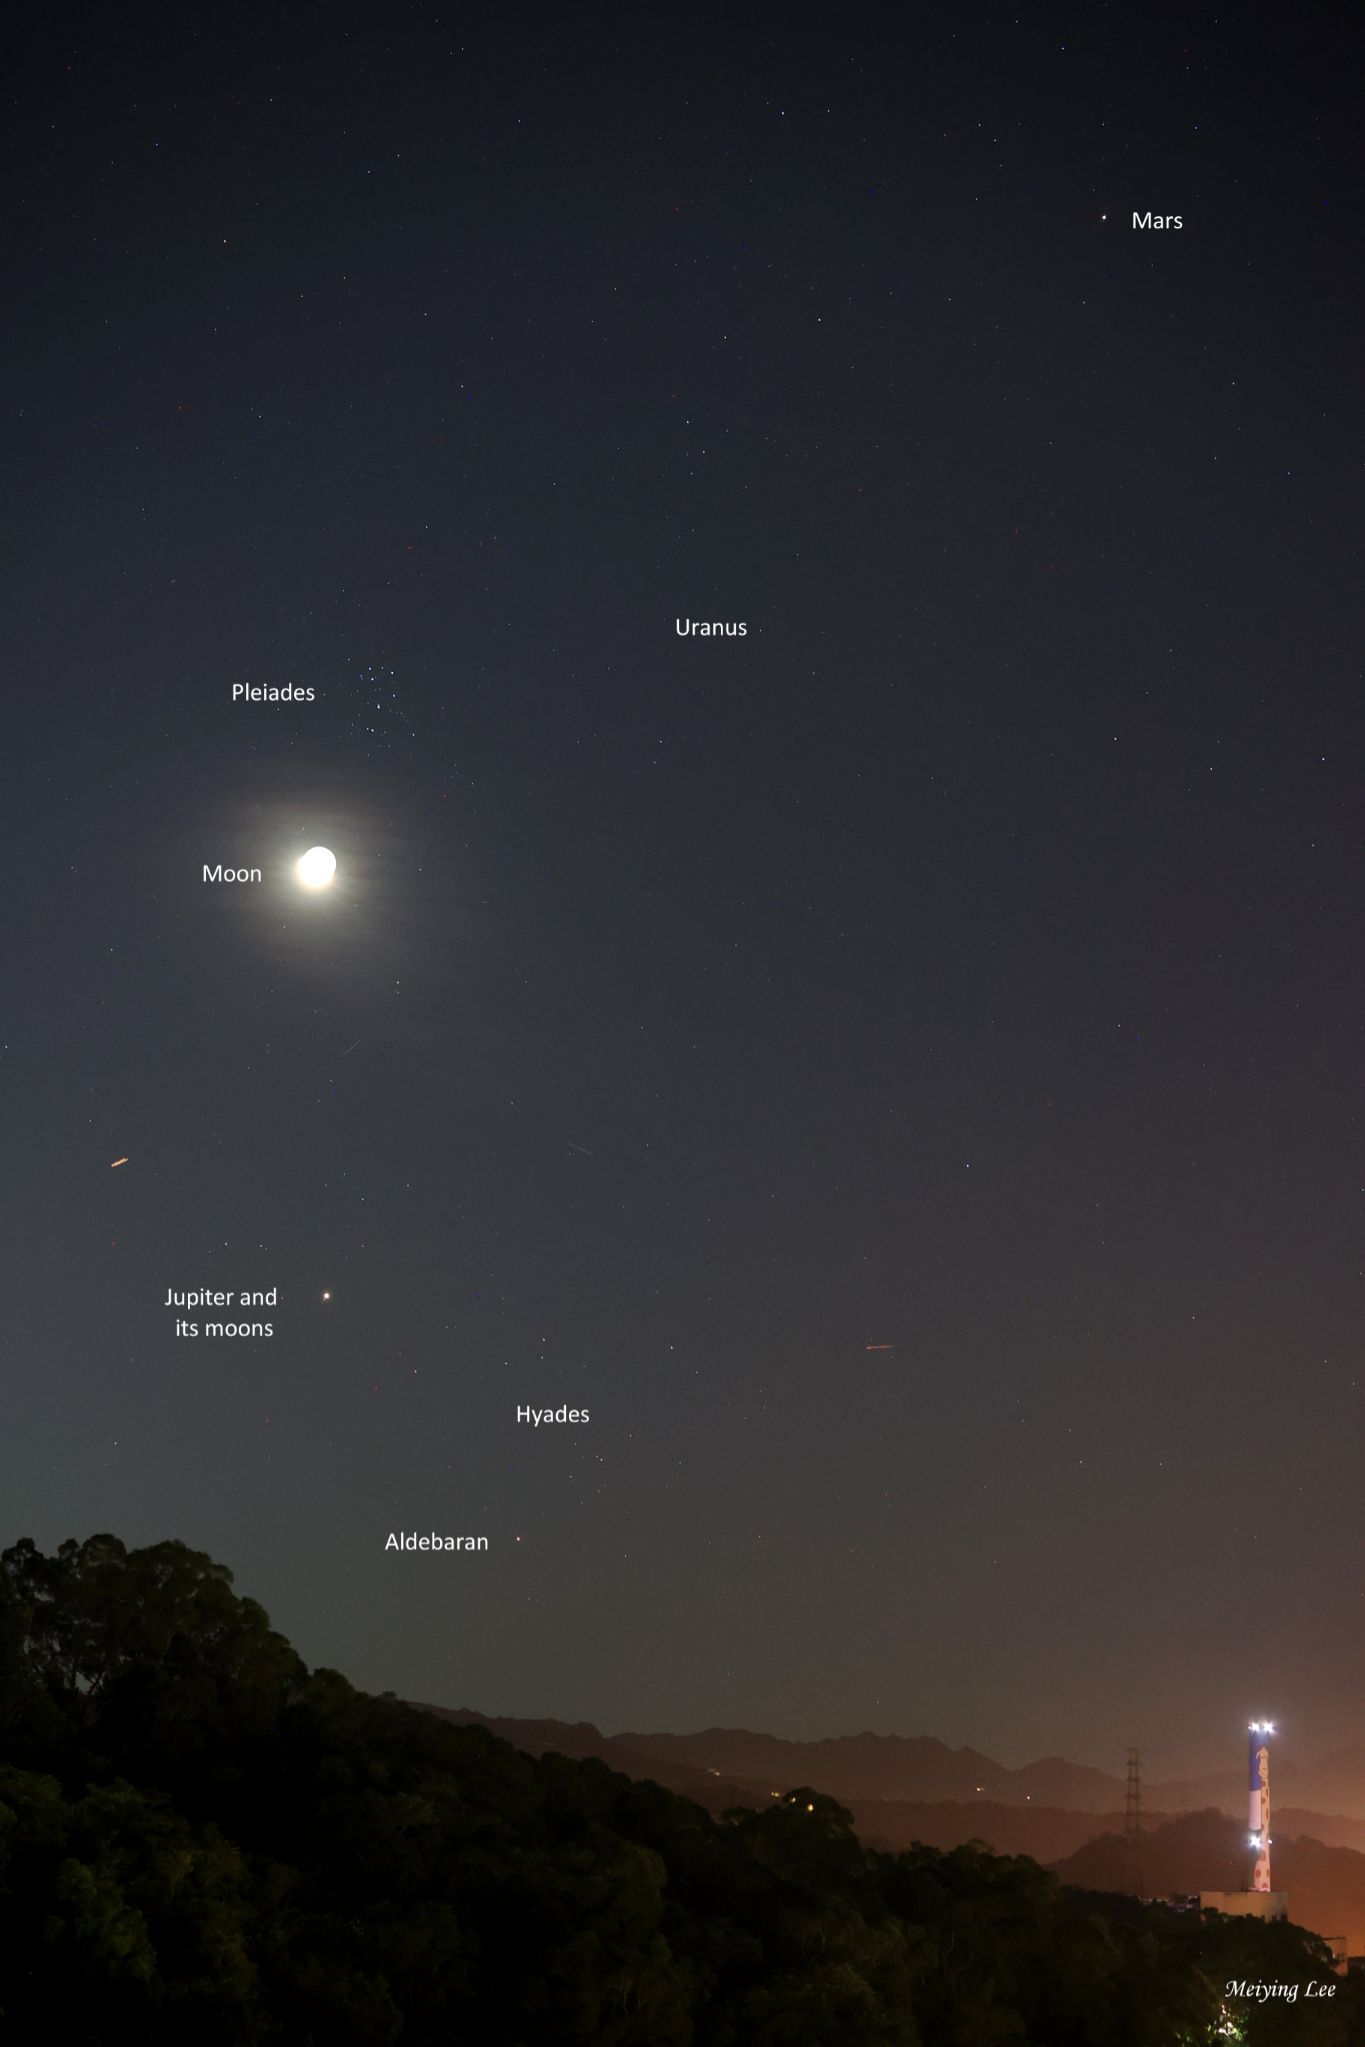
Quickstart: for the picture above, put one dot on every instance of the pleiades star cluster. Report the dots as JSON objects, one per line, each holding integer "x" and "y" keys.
{"x": 683, "y": 753}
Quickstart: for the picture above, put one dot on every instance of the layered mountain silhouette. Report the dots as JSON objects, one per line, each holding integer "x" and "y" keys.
{"x": 923, "y": 1769}
{"x": 1206, "y": 1851}
{"x": 1333, "y": 1784}
{"x": 847, "y": 1766}
{"x": 904, "y": 1789}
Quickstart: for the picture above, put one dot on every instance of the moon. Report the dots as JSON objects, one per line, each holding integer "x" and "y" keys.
{"x": 317, "y": 867}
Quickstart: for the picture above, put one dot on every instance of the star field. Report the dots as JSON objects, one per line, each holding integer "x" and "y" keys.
{"x": 899, "y": 1070}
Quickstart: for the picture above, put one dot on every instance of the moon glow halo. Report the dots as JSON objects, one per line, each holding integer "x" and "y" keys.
{"x": 317, "y": 867}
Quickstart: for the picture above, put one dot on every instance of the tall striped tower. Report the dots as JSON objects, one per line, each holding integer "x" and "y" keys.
{"x": 1258, "y": 1803}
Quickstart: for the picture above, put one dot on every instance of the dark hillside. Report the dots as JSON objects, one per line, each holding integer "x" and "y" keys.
{"x": 201, "y": 1840}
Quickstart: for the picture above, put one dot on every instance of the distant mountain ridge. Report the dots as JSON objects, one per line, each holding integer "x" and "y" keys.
{"x": 920, "y": 1769}
{"x": 907, "y": 1789}
{"x": 1335, "y": 1783}
{"x": 846, "y": 1766}
{"x": 1207, "y": 1851}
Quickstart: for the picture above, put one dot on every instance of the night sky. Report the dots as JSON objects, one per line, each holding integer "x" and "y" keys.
{"x": 966, "y": 960}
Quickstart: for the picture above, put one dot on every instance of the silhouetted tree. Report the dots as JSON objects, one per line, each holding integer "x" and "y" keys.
{"x": 201, "y": 1841}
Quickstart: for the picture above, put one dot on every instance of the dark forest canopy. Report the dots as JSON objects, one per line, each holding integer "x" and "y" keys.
{"x": 201, "y": 1840}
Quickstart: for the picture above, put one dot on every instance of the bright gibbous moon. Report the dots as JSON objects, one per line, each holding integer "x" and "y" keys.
{"x": 317, "y": 867}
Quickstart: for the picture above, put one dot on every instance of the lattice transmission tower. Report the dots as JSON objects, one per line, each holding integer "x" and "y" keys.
{"x": 1132, "y": 1821}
